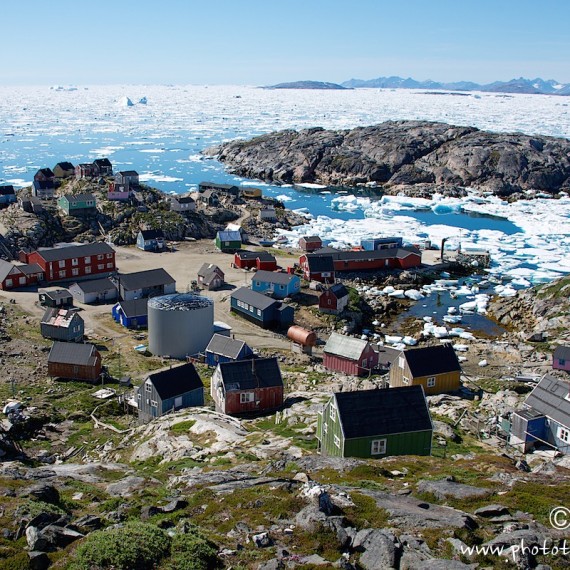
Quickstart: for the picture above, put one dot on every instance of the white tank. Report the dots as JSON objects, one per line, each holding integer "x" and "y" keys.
{"x": 179, "y": 325}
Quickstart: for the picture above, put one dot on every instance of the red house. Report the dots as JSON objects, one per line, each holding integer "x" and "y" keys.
{"x": 317, "y": 267}
{"x": 247, "y": 386}
{"x": 334, "y": 299}
{"x": 349, "y": 355}
{"x": 85, "y": 171}
{"x": 310, "y": 243}
{"x": 74, "y": 261}
{"x": 74, "y": 361}
{"x": 258, "y": 259}
{"x": 561, "y": 358}
{"x": 44, "y": 175}
{"x": 14, "y": 276}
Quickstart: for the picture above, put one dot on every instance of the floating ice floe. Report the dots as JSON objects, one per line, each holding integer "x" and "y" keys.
{"x": 409, "y": 341}
{"x": 460, "y": 347}
{"x": 413, "y": 294}
{"x": 392, "y": 339}
{"x": 452, "y": 319}
{"x": 397, "y": 294}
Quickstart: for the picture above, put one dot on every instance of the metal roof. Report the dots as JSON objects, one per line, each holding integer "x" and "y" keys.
{"x": 345, "y": 346}
{"x": 175, "y": 381}
{"x": 95, "y": 285}
{"x": 72, "y": 251}
{"x": 251, "y": 374}
{"x": 370, "y": 413}
{"x": 229, "y": 236}
{"x": 134, "y": 308}
{"x": 142, "y": 279}
{"x": 320, "y": 263}
{"x": 551, "y": 398}
{"x": 152, "y": 234}
{"x": 209, "y": 268}
{"x": 57, "y": 294}
{"x": 73, "y": 353}
{"x": 431, "y": 360}
{"x": 75, "y": 198}
{"x": 338, "y": 290}
{"x": 225, "y": 346}
{"x": 277, "y": 277}
{"x": 253, "y": 298}
{"x": 61, "y": 318}
{"x": 262, "y": 255}
{"x": 180, "y": 302}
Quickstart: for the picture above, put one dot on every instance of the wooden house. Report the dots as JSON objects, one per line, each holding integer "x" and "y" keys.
{"x": 14, "y": 276}
{"x": 255, "y": 259}
{"x": 310, "y": 243}
{"x": 43, "y": 189}
{"x": 210, "y": 277}
{"x": 349, "y": 355}
{"x": 64, "y": 170}
{"x": 30, "y": 204}
{"x": 225, "y": 349}
{"x": 119, "y": 192}
{"x": 261, "y": 309}
{"x": 279, "y": 285}
{"x": 169, "y": 390}
{"x": 127, "y": 177}
{"x": 268, "y": 214}
{"x": 544, "y": 420}
{"x": 251, "y": 193}
{"x": 131, "y": 314}
{"x": 436, "y": 368}
{"x": 375, "y": 423}
{"x": 216, "y": 187}
{"x": 94, "y": 291}
{"x": 182, "y": 204}
{"x": 62, "y": 324}
{"x": 210, "y": 198}
{"x": 561, "y": 358}
{"x": 102, "y": 167}
{"x": 228, "y": 241}
{"x": 85, "y": 170}
{"x": 7, "y": 196}
{"x": 44, "y": 175}
{"x": 151, "y": 240}
{"x": 317, "y": 268}
{"x": 334, "y": 299}
{"x": 74, "y": 361}
{"x": 77, "y": 204}
{"x": 142, "y": 284}
{"x": 74, "y": 262}
{"x": 247, "y": 386}
{"x": 61, "y": 298}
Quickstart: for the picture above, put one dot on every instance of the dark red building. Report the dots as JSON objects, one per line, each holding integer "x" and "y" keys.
{"x": 14, "y": 276}
{"x": 74, "y": 361}
{"x": 74, "y": 261}
{"x": 247, "y": 386}
{"x": 255, "y": 259}
{"x": 350, "y": 355}
{"x": 334, "y": 299}
{"x": 310, "y": 243}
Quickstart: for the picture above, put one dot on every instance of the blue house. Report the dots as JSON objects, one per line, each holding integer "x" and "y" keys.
{"x": 169, "y": 390}
{"x": 261, "y": 309}
{"x": 151, "y": 240}
{"x": 224, "y": 349}
{"x": 131, "y": 314}
{"x": 544, "y": 420}
{"x": 280, "y": 285}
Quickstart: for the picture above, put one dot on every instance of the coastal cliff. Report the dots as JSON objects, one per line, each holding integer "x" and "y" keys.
{"x": 428, "y": 156}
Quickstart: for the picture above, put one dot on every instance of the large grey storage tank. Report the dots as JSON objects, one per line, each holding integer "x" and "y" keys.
{"x": 179, "y": 325}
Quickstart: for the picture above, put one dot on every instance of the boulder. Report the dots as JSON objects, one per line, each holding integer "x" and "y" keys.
{"x": 38, "y": 560}
{"x": 174, "y": 505}
{"x": 42, "y": 492}
{"x": 262, "y": 540}
{"x": 380, "y": 549}
{"x": 444, "y": 488}
{"x": 310, "y": 518}
{"x": 125, "y": 487}
{"x": 492, "y": 511}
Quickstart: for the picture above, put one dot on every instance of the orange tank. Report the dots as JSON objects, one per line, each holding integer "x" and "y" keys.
{"x": 302, "y": 336}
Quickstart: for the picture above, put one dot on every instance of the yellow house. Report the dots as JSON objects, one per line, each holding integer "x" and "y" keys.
{"x": 436, "y": 368}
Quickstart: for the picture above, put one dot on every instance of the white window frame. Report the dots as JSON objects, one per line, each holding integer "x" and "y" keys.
{"x": 336, "y": 440}
{"x": 101, "y": 266}
{"x": 148, "y": 387}
{"x": 378, "y": 447}
{"x": 405, "y": 380}
{"x": 88, "y": 269}
{"x": 61, "y": 263}
{"x": 246, "y": 397}
{"x": 87, "y": 259}
{"x": 75, "y": 271}
{"x": 100, "y": 256}
{"x": 109, "y": 255}
{"x": 563, "y": 434}
{"x": 75, "y": 261}
{"x": 109, "y": 266}
{"x": 332, "y": 413}
{"x": 431, "y": 382}
{"x": 62, "y": 274}
{"x": 401, "y": 362}
{"x": 154, "y": 403}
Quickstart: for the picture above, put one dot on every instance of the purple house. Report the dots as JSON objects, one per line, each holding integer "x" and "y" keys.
{"x": 561, "y": 358}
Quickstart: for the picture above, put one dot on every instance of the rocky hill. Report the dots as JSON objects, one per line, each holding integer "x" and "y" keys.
{"x": 423, "y": 155}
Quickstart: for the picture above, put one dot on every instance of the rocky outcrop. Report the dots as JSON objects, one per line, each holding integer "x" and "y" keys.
{"x": 405, "y": 153}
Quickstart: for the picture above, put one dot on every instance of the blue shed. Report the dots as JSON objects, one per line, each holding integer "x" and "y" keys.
{"x": 169, "y": 390}
{"x": 151, "y": 240}
{"x": 224, "y": 349}
{"x": 279, "y": 284}
{"x": 131, "y": 314}
{"x": 261, "y": 309}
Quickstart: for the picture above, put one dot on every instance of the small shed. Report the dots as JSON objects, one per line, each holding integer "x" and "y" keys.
{"x": 310, "y": 243}
{"x": 151, "y": 240}
{"x": 334, "y": 299}
{"x": 224, "y": 349}
{"x": 129, "y": 177}
{"x": 94, "y": 291}
{"x": 210, "y": 277}
{"x": 349, "y": 355}
{"x": 62, "y": 324}
{"x": 182, "y": 204}
{"x": 268, "y": 214}
{"x": 55, "y": 298}
{"x": 228, "y": 241}
{"x": 561, "y": 358}
{"x": 169, "y": 390}
{"x": 247, "y": 386}
{"x": 375, "y": 423}
{"x": 74, "y": 361}
{"x": 131, "y": 314}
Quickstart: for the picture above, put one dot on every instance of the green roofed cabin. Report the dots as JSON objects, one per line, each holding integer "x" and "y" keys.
{"x": 375, "y": 423}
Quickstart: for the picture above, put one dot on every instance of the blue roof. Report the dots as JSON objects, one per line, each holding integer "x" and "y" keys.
{"x": 229, "y": 236}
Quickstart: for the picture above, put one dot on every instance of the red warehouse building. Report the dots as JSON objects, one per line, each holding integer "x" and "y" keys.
{"x": 350, "y": 355}
{"x": 74, "y": 262}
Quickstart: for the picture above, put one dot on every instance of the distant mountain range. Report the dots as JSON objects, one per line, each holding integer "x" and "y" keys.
{"x": 521, "y": 85}
{"x": 308, "y": 85}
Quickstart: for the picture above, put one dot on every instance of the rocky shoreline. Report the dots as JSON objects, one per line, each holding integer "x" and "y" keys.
{"x": 429, "y": 157}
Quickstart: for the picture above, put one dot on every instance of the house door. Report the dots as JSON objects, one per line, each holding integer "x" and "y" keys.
{"x": 178, "y": 402}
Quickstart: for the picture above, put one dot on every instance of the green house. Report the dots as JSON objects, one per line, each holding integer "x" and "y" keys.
{"x": 228, "y": 241}
{"x": 77, "y": 204}
{"x": 375, "y": 423}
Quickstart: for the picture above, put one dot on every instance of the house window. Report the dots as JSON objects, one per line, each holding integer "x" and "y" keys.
{"x": 337, "y": 441}
{"x": 401, "y": 362}
{"x": 405, "y": 380}
{"x": 109, "y": 266}
{"x": 281, "y": 287}
{"x": 364, "y": 363}
{"x": 564, "y": 434}
{"x": 62, "y": 263}
{"x": 101, "y": 266}
{"x": 100, "y": 256}
{"x": 329, "y": 302}
{"x": 148, "y": 387}
{"x": 257, "y": 283}
{"x": 62, "y": 274}
{"x": 561, "y": 361}
{"x": 75, "y": 261}
{"x": 109, "y": 255}
{"x": 332, "y": 413}
{"x": 75, "y": 271}
{"x": 139, "y": 397}
{"x": 88, "y": 259}
{"x": 378, "y": 447}
{"x": 431, "y": 382}
{"x": 246, "y": 397}
{"x": 88, "y": 269}
{"x": 154, "y": 403}
{"x": 9, "y": 283}
{"x": 259, "y": 312}
{"x": 22, "y": 280}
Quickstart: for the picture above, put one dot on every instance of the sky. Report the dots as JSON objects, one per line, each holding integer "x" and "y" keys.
{"x": 263, "y": 42}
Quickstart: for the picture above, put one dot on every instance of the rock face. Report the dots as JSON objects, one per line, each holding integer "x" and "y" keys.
{"x": 405, "y": 153}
